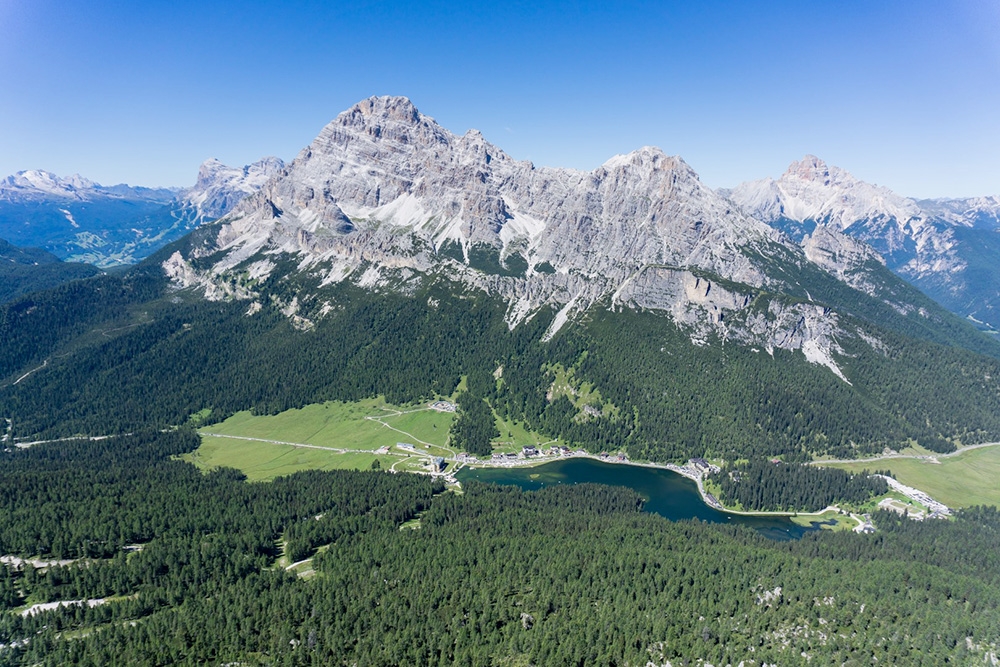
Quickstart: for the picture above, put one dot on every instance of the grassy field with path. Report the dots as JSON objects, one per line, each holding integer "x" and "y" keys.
{"x": 968, "y": 478}
{"x": 325, "y": 436}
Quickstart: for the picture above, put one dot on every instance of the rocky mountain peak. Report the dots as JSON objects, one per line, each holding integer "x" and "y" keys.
{"x": 375, "y": 125}
{"x": 373, "y": 109}
{"x": 809, "y": 168}
{"x": 220, "y": 187}
{"x": 647, "y": 159}
{"x": 38, "y": 182}
{"x": 391, "y": 118}
{"x": 208, "y": 172}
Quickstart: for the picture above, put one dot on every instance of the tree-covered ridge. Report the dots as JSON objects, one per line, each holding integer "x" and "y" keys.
{"x": 774, "y": 486}
{"x": 25, "y": 270}
{"x": 137, "y": 355}
{"x": 566, "y": 575}
{"x": 129, "y": 490}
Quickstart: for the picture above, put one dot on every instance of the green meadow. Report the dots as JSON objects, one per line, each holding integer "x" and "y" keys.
{"x": 361, "y": 428}
{"x": 267, "y": 446}
{"x": 263, "y": 461}
{"x": 969, "y": 478}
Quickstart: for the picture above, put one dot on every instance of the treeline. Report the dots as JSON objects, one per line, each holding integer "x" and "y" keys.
{"x": 760, "y": 485}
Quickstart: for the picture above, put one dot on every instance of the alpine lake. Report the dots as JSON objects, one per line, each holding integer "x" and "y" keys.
{"x": 665, "y": 492}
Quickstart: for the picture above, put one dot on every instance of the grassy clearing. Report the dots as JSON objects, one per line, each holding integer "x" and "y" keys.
{"x": 514, "y": 436}
{"x": 913, "y": 449}
{"x": 363, "y": 427}
{"x": 263, "y": 461}
{"x": 303, "y": 569}
{"x": 580, "y": 393}
{"x": 841, "y": 521}
{"x": 343, "y": 425}
{"x": 326, "y": 424}
{"x": 426, "y": 425}
{"x": 872, "y": 504}
{"x": 957, "y": 481}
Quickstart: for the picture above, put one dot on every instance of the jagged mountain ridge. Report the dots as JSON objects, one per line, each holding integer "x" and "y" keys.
{"x": 385, "y": 196}
{"x": 945, "y": 247}
{"x": 34, "y": 185}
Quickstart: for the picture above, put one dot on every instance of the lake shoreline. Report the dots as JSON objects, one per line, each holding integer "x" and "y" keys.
{"x": 660, "y": 485}
{"x": 683, "y": 471}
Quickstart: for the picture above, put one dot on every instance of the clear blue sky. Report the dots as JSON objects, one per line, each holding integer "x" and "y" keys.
{"x": 902, "y": 93}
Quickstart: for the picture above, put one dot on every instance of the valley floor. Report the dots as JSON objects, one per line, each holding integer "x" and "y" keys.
{"x": 372, "y": 433}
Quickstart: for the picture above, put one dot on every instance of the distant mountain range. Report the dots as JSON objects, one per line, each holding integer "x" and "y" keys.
{"x": 385, "y": 196}
{"x": 949, "y": 248}
{"x": 79, "y": 220}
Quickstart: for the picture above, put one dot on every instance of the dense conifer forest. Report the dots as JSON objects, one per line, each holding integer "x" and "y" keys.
{"x": 763, "y": 485}
{"x": 26, "y": 270}
{"x": 185, "y": 562}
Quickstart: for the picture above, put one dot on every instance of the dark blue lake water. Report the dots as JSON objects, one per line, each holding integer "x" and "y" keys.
{"x": 666, "y": 493}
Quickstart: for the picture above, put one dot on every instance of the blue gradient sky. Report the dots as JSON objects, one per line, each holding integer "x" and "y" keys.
{"x": 905, "y": 94}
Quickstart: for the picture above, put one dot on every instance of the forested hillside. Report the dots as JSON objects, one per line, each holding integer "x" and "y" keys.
{"x": 567, "y": 575}
{"x": 137, "y": 353}
{"x": 24, "y": 270}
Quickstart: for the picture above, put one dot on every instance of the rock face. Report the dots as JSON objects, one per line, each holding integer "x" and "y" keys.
{"x": 219, "y": 187}
{"x": 941, "y": 246}
{"x": 382, "y": 179}
{"x": 384, "y": 196}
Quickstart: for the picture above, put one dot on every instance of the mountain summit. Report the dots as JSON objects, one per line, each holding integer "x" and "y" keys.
{"x": 383, "y": 178}
{"x": 941, "y": 246}
{"x": 386, "y": 198}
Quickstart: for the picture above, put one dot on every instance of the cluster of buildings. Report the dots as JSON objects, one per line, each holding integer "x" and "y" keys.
{"x": 703, "y": 466}
{"x": 937, "y": 510}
